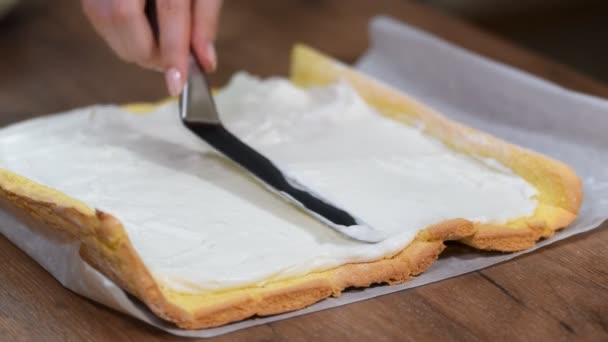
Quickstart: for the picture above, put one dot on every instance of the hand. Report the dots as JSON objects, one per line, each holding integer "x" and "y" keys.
{"x": 183, "y": 25}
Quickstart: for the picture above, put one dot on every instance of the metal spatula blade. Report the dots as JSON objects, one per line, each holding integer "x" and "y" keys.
{"x": 198, "y": 113}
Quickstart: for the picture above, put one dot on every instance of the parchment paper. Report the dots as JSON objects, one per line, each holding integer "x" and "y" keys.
{"x": 492, "y": 97}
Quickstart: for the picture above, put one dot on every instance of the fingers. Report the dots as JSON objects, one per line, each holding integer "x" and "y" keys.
{"x": 124, "y": 26}
{"x": 205, "y": 18}
{"x": 174, "y": 39}
{"x": 183, "y": 24}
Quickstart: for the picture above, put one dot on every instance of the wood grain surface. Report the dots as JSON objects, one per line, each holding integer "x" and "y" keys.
{"x": 51, "y": 60}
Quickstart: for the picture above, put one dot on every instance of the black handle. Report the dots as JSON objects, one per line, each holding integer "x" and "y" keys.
{"x": 150, "y": 10}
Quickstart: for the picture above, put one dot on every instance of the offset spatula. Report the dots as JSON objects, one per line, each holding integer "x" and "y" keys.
{"x": 199, "y": 115}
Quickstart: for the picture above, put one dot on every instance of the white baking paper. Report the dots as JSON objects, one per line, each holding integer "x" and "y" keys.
{"x": 479, "y": 92}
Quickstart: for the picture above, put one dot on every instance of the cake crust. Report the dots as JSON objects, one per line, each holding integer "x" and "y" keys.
{"x": 106, "y": 246}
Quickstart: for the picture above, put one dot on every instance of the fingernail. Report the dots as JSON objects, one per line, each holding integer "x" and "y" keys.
{"x": 174, "y": 80}
{"x": 212, "y": 56}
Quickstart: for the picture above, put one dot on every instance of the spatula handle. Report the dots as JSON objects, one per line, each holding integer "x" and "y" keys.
{"x": 150, "y": 10}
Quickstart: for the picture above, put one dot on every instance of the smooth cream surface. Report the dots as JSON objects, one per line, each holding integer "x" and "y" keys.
{"x": 201, "y": 224}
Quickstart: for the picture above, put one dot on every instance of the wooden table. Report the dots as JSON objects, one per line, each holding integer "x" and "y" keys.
{"x": 50, "y": 60}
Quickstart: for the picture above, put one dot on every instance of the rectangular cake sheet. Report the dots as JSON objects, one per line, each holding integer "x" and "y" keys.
{"x": 492, "y": 97}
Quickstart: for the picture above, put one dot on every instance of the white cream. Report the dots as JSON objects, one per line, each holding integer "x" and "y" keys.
{"x": 201, "y": 224}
